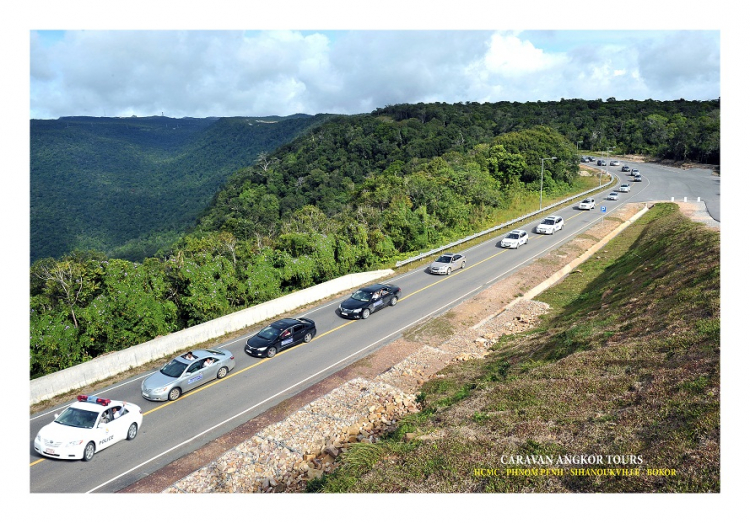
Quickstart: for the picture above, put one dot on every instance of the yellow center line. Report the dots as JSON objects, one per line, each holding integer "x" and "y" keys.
{"x": 287, "y": 351}
{"x": 232, "y": 375}
{"x": 441, "y": 280}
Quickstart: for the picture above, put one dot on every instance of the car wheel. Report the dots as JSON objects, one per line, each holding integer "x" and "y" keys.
{"x": 308, "y": 337}
{"x": 132, "y": 431}
{"x": 448, "y": 272}
{"x": 394, "y": 301}
{"x": 365, "y": 313}
{"x": 89, "y": 451}
{"x": 463, "y": 264}
{"x": 174, "y": 394}
{"x": 271, "y": 352}
{"x": 222, "y": 372}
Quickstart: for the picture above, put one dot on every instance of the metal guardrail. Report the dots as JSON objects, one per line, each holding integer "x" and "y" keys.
{"x": 501, "y": 226}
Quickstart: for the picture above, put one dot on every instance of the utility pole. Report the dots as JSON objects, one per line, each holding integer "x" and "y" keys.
{"x": 541, "y": 181}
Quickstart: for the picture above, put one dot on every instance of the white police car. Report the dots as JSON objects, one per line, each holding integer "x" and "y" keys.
{"x": 88, "y": 426}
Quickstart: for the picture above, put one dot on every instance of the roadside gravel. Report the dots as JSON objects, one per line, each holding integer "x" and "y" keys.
{"x": 286, "y": 454}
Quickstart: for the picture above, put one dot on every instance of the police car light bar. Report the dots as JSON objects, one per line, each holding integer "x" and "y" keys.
{"x": 93, "y": 399}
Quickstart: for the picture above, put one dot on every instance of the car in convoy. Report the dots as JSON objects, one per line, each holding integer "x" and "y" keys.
{"x": 601, "y": 162}
{"x": 637, "y": 178}
{"x": 89, "y": 425}
{"x": 369, "y": 299}
{"x": 550, "y": 225}
{"x": 614, "y": 162}
{"x": 635, "y": 172}
{"x": 515, "y": 239}
{"x": 447, "y": 263}
{"x": 280, "y": 335}
{"x": 587, "y": 204}
{"x": 625, "y": 187}
{"x": 187, "y": 372}
{"x": 625, "y": 169}
{"x": 613, "y": 196}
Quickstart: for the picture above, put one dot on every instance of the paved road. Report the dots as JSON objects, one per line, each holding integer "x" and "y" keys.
{"x": 665, "y": 183}
{"x": 170, "y": 430}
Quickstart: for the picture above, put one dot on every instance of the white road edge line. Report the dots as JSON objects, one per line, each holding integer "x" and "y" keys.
{"x": 281, "y": 392}
{"x": 324, "y": 370}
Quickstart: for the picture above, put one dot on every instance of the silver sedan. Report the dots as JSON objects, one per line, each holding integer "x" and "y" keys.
{"x": 447, "y": 263}
{"x": 187, "y": 372}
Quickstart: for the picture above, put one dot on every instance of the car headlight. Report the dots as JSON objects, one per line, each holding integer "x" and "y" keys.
{"x": 74, "y": 443}
{"x": 357, "y": 310}
{"x": 161, "y": 390}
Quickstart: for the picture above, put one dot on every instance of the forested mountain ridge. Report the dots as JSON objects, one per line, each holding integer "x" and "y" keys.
{"x": 348, "y": 195}
{"x": 130, "y": 186}
{"x": 318, "y": 168}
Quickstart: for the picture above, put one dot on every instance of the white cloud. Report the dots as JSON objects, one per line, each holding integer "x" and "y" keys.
{"x": 223, "y": 73}
{"x": 508, "y": 55}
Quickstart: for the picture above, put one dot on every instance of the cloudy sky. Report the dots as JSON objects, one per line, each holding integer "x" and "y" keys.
{"x": 145, "y": 57}
{"x": 279, "y": 72}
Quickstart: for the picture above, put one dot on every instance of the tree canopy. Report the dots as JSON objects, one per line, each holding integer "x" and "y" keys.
{"x": 351, "y": 194}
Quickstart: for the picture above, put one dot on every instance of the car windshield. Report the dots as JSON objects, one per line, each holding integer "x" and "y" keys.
{"x": 444, "y": 259}
{"x": 361, "y": 295}
{"x": 513, "y": 236}
{"x": 174, "y": 369}
{"x": 73, "y": 417}
{"x": 548, "y": 221}
{"x": 269, "y": 333}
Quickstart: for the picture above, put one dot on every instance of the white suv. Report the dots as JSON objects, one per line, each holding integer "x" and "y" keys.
{"x": 550, "y": 225}
{"x": 515, "y": 239}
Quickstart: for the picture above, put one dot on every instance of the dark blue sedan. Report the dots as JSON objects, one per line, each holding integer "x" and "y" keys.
{"x": 369, "y": 299}
{"x": 281, "y": 335}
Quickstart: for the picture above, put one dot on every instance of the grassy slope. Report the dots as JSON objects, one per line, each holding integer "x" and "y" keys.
{"x": 627, "y": 363}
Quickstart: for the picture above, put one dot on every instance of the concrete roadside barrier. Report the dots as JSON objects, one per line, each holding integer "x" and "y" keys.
{"x": 113, "y": 363}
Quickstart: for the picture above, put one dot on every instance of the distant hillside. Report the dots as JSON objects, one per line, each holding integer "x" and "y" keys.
{"x": 354, "y": 193}
{"x": 130, "y": 186}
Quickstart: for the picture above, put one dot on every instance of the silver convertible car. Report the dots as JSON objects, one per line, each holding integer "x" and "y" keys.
{"x": 447, "y": 263}
{"x": 187, "y": 372}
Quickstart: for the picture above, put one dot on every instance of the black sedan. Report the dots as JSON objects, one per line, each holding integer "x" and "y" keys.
{"x": 280, "y": 335}
{"x": 369, "y": 299}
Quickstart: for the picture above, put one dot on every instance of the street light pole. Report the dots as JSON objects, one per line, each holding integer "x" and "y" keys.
{"x": 541, "y": 181}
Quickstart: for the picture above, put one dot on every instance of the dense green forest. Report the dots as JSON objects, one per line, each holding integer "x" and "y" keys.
{"x": 352, "y": 194}
{"x": 130, "y": 186}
